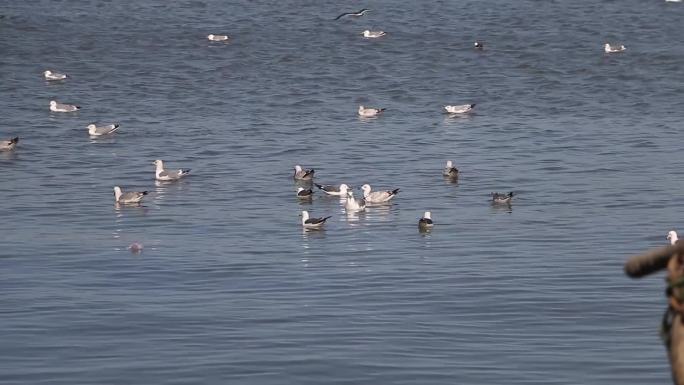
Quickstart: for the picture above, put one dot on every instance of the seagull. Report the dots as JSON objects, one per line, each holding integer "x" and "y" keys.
{"x": 303, "y": 193}
{"x": 213, "y": 37}
{"x": 373, "y": 34}
{"x": 370, "y": 112}
{"x": 94, "y": 130}
{"x": 502, "y": 198}
{"x": 312, "y": 223}
{"x": 49, "y": 75}
{"x": 461, "y": 109}
{"x": 301, "y": 174}
{"x": 673, "y": 1}
{"x": 357, "y": 14}
{"x": 613, "y": 48}
{"x": 672, "y": 236}
{"x": 479, "y": 45}
{"x": 8, "y": 144}
{"x": 59, "y": 107}
{"x": 378, "y": 196}
{"x": 128, "y": 197}
{"x": 450, "y": 170}
{"x": 167, "y": 175}
{"x": 352, "y": 205}
{"x": 332, "y": 190}
{"x": 425, "y": 222}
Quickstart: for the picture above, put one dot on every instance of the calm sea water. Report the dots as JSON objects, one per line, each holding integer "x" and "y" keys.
{"x": 229, "y": 289}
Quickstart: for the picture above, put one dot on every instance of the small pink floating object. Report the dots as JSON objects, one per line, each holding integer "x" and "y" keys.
{"x": 135, "y": 247}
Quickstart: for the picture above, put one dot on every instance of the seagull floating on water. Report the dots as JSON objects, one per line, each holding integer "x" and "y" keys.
{"x": 167, "y": 175}
{"x": 460, "y": 109}
{"x": 373, "y": 34}
{"x": 312, "y": 223}
{"x": 425, "y": 222}
{"x": 672, "y": 237}
{"x": 60, "y": 107}
{"x": 49, "y": 75}
{"x": 213, "y": 37}
{"x": 94, "y": 130}
{"x": 378, "y": 196}
{"x": 332, "y": 190}
{"x": 613, "y": 48}
{"x": 353, "y": 205}
{"x": 479, "y": 45}
{"x": 370, "y": 112}
{"x": 502, "y": 198}
{"x": 301, "y": 174}
{"x": 8, "y": 144}
{"x": 450, "y": 170}
{"x": 128, "y": 197}
{"x": 355, "y": 14}
{"x": 303, "y": 193}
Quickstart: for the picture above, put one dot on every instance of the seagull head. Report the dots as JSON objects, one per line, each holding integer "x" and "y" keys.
{"x": 366, "y": 33}
{"x": 47, "y": 73}
{"x": 344, "y": 188}
{"x": 427, "y": 215}
{"x": 672, "y": 237}
{"x": 300, "y": 189}
{"x": 366, "y": 188}
{"x": 91, "y": 128}
{"x": 210, "y": 36}
{"x": 117, "y": 192}
{"x": 159, "y": 163}
{"x": 53, "y": 103}
{"x": 449, "y": 164}
{"x": 304, "y": 215}
{"x": 298, "y": 168}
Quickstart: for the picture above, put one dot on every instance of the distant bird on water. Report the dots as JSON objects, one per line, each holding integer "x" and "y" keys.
{"x": 373, "y": 34}
{"x": 370, "y": 112}
{"x": 378, "y": 196}
{"x": 303, "y": 193}
{"x": 352, "y": 205}
{"x": 168, "y": 175}
{"x": 449, "y": 170}
{"x": 479, "y": 45}
{"x": 49, "y": 75}
{"x": 425, "y": 222}
{"x": 613, "y": 48}
{"x": 94, "y": 130}
{"x": 128, "y": 197}
{"x": 355, "y": 14}
{"x": 460, "y": 109}
{"x": 8, "y": 144}
{"x": 60, "y": 107}
{"x": 301, "y": 174}
{"x": 500, "y": 198}
{"x": 672, "y": 237}
{"x": 312, "y": 223}
{"x": 213, "y": 37}
{"x": 332, "y": 190}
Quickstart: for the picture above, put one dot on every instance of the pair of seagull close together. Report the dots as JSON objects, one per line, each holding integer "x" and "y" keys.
{"x": 160, "y": 174}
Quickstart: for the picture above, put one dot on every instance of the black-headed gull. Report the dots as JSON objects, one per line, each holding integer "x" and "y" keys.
{"x": 128, "y": 197}
{"x": 378, "y": 196}
{"x": 460, "y": 109}
{"x": 356, "y": 14}
{"x": 312, "y": 223}
{"x": 168, "y": 175}
{"x": 8, "y": 144}
{"x": 60, "y": 107}
{"x": 94, "y": 130}
{"x": 49, "y": 75}
{"x": 301, "y": 174}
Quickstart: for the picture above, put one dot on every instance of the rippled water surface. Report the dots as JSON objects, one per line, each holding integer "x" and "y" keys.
{"x": 229, "y": 289}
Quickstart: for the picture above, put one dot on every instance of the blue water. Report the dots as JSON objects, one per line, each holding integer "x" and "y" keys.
{"x": 229, "y": 289}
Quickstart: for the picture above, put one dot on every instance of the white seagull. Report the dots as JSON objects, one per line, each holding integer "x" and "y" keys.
{"x": 352, "y": 205}
{"x": 8, "y": 144}
{"x": 49, "y": 75}
{"x": 425, "y": 222}
{"x": 378, "y": 196}
{"x": 59, "y": 107}
{"x": 167, "y": 175}
{"x": 301, "y": 174}
{"x": 128, "y": 197}
{"x": 613, "y": 48}
{"x": 672, "y": 236}
{"x": 213, "y": 37}
{"x": 370, "y": 112}
{"x": 450, "y": 170}
{"x": 332, "y": 190}
{"x": 312, "y": 223}
{"x": 94, "y": 130}
{"x": 356, "y": 14}
{"x": 373, "y": 34}
{"x": 460, "y": 109}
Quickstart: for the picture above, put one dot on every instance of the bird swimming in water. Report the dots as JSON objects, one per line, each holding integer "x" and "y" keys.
{"x": 370, "y": 112}
{"x": 312, "y": 223}
{"x": 301, "y": 174}
{"x": 460, "y": 109}
{"x": 378, "y": 196}
{"x": 304, "y": 193}
{"x": 128, "y": 197}
{"x": 49, "y": 75}
{"x": 9, "y": 144}
{"x": 500, "y": 198}
{"x": 449, "y": 170}
{"x": 373, "y": 34}
{"x": 479, "y": 45}
{"x": 94, "y": 130}
{"x": 332, "y": 190}
{"x": 425, "y": 222}
{"x": 355, "y": 14}
{"x": 613, "y": 48}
